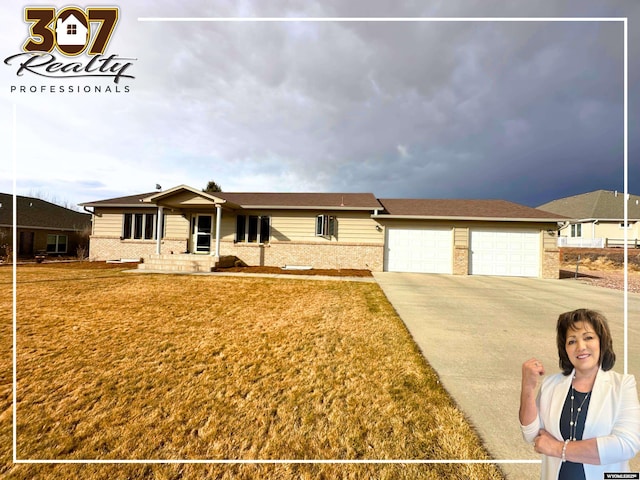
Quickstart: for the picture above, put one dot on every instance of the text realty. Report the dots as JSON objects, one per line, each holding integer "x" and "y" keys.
{"x": 44, "y": 64}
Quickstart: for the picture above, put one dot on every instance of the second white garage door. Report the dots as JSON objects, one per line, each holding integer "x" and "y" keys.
{"x": 514, "y": 253}
{"x": 419, "y": 250}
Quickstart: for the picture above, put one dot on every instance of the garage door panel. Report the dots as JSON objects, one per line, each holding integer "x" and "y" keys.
{"x": 419, "y": 250}
{"x": 505, "y": 252}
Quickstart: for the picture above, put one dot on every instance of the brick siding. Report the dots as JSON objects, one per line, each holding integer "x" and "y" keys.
{"x": 551, "y": 263}
{"x": 461, "y": 260}
{"x": 112, "y": 248}
{"x": 329, "y": 256}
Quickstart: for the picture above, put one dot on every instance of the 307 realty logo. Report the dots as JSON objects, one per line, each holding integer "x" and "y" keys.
{"x": 70, "y": 44}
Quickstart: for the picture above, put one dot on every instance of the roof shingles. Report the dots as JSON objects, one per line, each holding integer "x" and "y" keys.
{"x": 441, "y": 208}
{"x": 301, "y": 200}
{"x": 33, "y": 212}
{"x": 451, "y": 208}
{"x": 599, "y": 204}
{"x": 278, "y": 200}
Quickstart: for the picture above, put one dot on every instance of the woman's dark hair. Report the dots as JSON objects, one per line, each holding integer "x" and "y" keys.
{"x": 568, "y": 321}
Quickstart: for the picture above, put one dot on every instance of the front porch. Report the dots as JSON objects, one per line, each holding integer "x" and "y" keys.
{"x": 185, "y": 263}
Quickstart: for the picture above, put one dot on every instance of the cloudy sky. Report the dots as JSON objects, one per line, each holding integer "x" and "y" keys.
{"x": 523, "y": 111}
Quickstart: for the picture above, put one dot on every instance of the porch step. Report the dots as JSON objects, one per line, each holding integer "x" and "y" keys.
{"x": 179, "y": 263}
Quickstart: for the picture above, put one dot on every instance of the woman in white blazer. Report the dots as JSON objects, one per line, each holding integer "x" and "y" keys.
{"x": 584, "y": 421}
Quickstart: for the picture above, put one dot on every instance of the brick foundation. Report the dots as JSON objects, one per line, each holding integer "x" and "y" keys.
{"x": 112, "y": 248}
{"x": 316, "y": 255}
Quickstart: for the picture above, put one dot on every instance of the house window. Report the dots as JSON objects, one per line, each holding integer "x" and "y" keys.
{"x": 325, "y": 226}
{"x": 71, "y": 29}
{"x": 240, "y": 228}
{"x": 139, "y": 226}
{"x": 253, "y": 228}
{"x": 265, "y": 229}
{"x": 576, "y": 230}
{"x": 56, "y": 244}
{"x": 126, "y": 226}
{"x": 148, "y": 227}
{"x": 622, "y": 225}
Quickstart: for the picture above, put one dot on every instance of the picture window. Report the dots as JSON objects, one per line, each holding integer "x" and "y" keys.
{"x": 139, "y": 226}
{"x": 253, "y": 228}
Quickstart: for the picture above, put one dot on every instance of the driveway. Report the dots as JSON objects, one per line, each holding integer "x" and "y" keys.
{"x": 476, "y": 331}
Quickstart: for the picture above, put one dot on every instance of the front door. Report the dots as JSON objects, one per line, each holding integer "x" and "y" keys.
{"x": 25, "y": 247}
{"x": 202, "y": 233}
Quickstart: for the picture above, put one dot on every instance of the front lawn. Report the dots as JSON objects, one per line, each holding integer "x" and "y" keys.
{"x": 115, "y": 365}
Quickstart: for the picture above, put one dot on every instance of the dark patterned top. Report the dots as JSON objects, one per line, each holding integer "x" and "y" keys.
{"x": 570, "y": 470}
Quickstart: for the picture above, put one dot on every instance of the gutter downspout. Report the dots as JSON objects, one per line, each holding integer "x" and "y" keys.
{"x": 92, "y": 213}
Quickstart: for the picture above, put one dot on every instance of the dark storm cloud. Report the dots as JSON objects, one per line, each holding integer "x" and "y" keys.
{"x": 525, "y": 111}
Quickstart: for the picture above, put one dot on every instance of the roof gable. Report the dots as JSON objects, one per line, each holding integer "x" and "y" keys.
{"x": 183, "y": 196}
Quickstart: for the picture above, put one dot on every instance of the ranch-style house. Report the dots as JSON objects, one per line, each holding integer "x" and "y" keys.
{"x": 184, "y": 228}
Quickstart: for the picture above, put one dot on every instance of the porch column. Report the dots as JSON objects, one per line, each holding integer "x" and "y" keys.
{"x": 218, "y": 221}
{"x": 159, "y": 229}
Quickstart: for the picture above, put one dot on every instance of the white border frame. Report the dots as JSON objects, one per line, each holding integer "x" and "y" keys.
{"x": 624, "y": 20}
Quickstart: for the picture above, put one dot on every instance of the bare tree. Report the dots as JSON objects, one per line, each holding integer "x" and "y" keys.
{"x": 53, "y": 199}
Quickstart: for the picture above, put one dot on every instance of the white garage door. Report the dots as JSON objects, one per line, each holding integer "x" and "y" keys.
{"x": 514, "y": 253}
{"x": 419, "y": 250}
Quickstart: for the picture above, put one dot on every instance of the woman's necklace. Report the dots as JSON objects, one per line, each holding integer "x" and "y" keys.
{"x": 573, "y": 423}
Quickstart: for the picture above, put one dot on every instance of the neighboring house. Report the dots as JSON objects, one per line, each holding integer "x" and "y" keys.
{"x": 42, "y": 227}
{"x": 185, "y": 228}
{"x": 597, "y": 219}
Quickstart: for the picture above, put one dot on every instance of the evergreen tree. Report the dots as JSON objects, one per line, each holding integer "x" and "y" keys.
{"x": 212, "y": 187}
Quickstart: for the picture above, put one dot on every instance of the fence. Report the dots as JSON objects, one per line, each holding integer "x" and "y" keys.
{"x": 597, "y": 242}
{"x": 581, "y": 242}
{"x": 619, "y": 242}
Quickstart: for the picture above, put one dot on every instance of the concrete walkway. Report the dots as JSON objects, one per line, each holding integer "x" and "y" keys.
{"x": 476, "y": 332}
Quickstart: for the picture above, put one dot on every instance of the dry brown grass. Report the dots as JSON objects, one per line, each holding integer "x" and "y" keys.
{"x": 600, "y": 259}
{"x": 120, "y": 366}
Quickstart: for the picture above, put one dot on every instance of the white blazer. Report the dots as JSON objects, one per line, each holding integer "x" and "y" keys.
{"x": 613, "y": 418}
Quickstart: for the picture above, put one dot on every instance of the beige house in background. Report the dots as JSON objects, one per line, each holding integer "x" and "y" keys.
{"x": 186, "y": 229}
{"x": 597, "y": 219}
